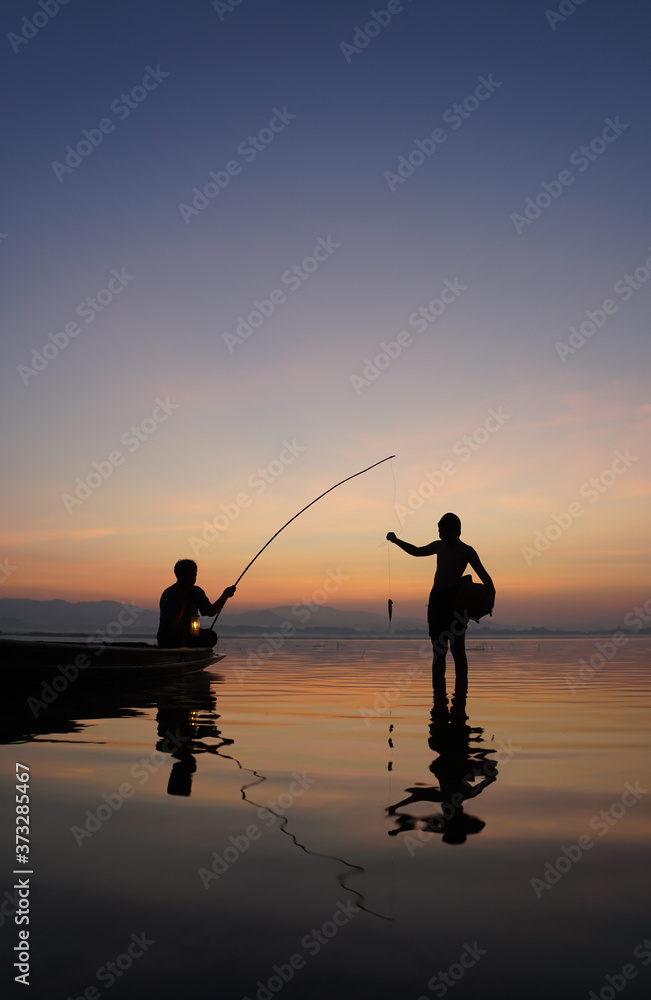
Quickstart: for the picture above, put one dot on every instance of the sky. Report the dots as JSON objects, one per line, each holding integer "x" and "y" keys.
{"x": 252, "y": 248}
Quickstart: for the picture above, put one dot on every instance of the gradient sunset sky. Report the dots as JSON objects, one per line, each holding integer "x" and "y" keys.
{"x": 313, "y": 133}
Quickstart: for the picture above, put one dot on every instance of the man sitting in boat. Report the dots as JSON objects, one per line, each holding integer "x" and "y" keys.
{"x": 182, "y": 602}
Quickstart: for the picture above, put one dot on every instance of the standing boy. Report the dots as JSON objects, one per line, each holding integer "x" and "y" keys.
{"x": 445, "y": 623}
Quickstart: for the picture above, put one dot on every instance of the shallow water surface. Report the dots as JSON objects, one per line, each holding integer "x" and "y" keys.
{"x": 314, "y": 825}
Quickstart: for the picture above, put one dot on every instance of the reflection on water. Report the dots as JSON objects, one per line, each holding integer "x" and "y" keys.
{"x": 277, "y": 790}
{"x": 183, "y": 725}
{"x": 463, "y": 769}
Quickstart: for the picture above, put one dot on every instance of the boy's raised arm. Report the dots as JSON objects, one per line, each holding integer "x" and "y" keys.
{"x": 413, "y": 550}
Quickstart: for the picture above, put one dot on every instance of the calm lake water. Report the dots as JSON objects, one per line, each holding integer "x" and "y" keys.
{"x": 316, "y": 828}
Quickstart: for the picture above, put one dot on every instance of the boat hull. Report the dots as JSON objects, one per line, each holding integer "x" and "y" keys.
{"x": 29, "y": 655}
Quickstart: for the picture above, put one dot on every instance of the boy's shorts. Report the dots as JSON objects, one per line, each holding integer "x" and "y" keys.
{"x": 442, "y": 615}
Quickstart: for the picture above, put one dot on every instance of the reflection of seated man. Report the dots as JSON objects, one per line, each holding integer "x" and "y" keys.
{"x": 183, "y": 601}
{"x": 186, "y": 716}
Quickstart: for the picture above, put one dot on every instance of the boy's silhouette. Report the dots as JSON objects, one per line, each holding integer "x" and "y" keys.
{"x": 445, "y": 622}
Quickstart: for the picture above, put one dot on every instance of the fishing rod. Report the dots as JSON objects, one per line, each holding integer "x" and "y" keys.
{"x": 297, "y": 515}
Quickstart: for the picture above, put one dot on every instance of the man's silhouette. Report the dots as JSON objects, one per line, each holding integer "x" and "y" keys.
{"x": 180, "y": 603}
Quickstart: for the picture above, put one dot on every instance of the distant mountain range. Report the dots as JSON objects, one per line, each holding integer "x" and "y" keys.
{"x": 19, "y": 614}
{"x": 22, "y": 615}
{"x": 320, "y": 618}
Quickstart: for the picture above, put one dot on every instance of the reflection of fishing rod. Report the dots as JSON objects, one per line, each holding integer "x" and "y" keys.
{"x": 294, "y": 518}
{"x": 284, "y": 823}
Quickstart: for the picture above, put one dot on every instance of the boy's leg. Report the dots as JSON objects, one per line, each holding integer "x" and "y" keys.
{"x": 439, "y": 690}
{"x": 439, "y": 649}
{"x": 439, "y": 613}
{"x": 458, "y": 650}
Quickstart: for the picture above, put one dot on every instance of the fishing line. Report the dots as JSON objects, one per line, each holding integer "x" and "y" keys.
{"x": 390, "y": 601}
{"x": 391, "y": 726}
{"x": 395, "y": 491}
{"x": 393, "y": 856}
{"x": 284, "y": 823}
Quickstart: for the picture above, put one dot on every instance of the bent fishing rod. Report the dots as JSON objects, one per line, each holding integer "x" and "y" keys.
{"x": 312, "y": 502}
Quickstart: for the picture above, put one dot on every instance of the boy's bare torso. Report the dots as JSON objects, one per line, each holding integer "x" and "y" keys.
{"x": 451, "y": 561}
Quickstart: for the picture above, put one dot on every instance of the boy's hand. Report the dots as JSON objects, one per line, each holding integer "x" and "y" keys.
{"x": 391, "y": 537}
{"x": 229, "y": 592}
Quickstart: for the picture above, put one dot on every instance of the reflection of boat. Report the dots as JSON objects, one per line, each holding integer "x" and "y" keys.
{"x": 37, "y": 655}
{"x": 32, "y": 710}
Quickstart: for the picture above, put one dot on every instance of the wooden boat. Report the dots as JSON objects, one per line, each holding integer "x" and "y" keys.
{"x": 30, "y": 655}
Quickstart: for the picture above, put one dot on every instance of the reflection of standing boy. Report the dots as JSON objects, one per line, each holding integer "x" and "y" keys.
{"x": 444, "y": 621}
